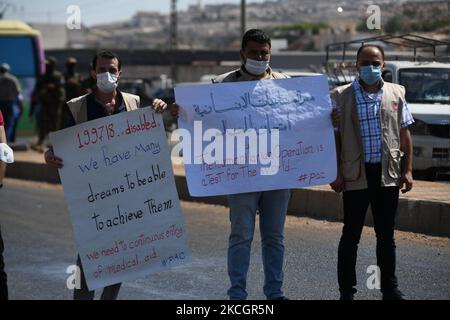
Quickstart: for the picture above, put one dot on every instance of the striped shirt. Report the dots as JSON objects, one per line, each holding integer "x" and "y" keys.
{"x": 369, "y": 105}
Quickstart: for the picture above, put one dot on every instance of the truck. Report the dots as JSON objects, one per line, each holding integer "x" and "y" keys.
{"x": 427, "y": 93}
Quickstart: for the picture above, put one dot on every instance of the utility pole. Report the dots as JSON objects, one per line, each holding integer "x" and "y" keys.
{"x": 243, "y": 18}
{"x": 173, "y": 25}
{"x": 3, "y": 7}
{"x": 173, "y": 42}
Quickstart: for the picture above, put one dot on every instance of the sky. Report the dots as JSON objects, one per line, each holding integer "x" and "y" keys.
{"x": 92, "y": 11}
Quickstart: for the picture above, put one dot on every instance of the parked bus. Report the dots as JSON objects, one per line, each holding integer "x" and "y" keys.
{"x": 22, "y": 48}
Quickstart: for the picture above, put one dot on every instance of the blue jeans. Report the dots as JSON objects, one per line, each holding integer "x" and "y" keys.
{"x": 272, "y": 207}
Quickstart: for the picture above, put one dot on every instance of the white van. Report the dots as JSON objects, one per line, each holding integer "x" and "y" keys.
{"x": 427, "y": 87}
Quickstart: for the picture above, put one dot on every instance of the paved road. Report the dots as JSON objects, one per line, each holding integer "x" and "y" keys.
{"x": 39, "y": 247}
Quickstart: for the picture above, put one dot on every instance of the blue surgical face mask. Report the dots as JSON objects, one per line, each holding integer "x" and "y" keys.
{"x": 370, "y": 74}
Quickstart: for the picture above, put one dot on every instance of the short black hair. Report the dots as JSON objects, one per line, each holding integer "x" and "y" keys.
{"x": 368, "y": 46}
{"x": 256, "y": 35}
{"x": 105, "y": 54}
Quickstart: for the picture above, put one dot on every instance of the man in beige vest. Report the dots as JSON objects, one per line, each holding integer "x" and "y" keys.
{"x": 105, "y": 100}
{"x": 374, "y": 160}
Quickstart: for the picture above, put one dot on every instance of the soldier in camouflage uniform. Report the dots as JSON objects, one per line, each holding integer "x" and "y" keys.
{"x": 51, "y": 95}
{"x": 73, "y": 88}
{"x": 88, "y": 84}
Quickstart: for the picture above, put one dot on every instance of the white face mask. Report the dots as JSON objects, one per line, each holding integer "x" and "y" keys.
{"x": 106, "y": 82}
{"x": 255, "y": 67}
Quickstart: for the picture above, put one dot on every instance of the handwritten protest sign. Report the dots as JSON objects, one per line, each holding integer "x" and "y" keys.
{"x": 256, "y": 135}
{"x": 120, "y": 190}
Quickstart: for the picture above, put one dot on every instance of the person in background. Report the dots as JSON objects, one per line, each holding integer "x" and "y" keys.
{"x": 72, "y": 82}
{"x": 51, "y": 95}
{"x": 88, "y": 84}
{"x": 10, "y": 93}
{"x": 34, "y": 113}
{"x": 17, "y": 112}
